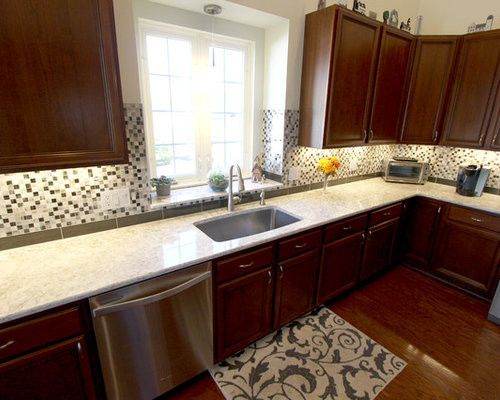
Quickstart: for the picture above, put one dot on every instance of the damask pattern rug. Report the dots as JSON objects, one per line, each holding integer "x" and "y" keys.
{"x": 318, "y": 356}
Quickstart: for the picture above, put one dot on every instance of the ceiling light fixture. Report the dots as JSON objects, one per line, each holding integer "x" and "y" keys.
{"x": 213, "y": 10}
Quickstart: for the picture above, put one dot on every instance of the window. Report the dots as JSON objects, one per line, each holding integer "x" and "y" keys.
{"x": 197, "y": 94}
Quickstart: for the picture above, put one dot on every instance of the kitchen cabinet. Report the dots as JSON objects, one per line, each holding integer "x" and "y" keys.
{"x": 420, "y": 228}
{"x": 353, "y": 79}
{"x": 429, "y": 85}
{"x": 391, "y": 86}
{"x": 468, "y": 250}
{"x": 244, "y": 311}
{"x": 380, "y": 239}
{"x": 341, "y": 256}
{"x": 47, "y": 358}
{"x": 60, "y": 99}
{"x": 295, "y": 287}
{"x": 470, "y": 119}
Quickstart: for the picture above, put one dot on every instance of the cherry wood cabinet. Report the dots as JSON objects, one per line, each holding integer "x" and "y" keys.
{"x": 470, "y": 119}
{"x": 61, "y": 104}
{"x": 244, "y": 311}
{"x": 468, "y": 250}
{"x": 295, "y": 287}
{"x": 340, "y": 263}
{"x": 391, "y": 86}
{"x": 429, "y": 85}
{"x": 48, "y": 357}
{"x": 420, "y": 228}
{"x": 379, "y": 248}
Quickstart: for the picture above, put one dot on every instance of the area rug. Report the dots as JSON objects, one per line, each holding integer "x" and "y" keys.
{"x": 318, "y": 356}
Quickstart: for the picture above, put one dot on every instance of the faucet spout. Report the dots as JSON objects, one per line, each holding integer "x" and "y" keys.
{"x": 232, "y": 200}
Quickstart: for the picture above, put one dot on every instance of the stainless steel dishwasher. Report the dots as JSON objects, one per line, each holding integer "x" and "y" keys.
{"x": 156, "y": 334}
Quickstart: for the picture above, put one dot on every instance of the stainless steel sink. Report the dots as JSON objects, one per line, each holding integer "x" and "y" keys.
{"x": 245, "y": 223}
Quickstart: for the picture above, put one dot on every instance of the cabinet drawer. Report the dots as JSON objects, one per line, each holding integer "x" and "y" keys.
{"x": 475, "y": 218}
{"x": 299, "y": 244}
{"x": 385, "y": 214}
{"x": 39, "y": 332}
{"x": 339, "y": 230}
{"x": 241, "y": 264}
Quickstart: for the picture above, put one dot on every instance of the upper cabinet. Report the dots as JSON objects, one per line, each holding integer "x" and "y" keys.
{"x": 60, "y": 95}
{"x": 353, "y": 79}
{"x": 472, "y": 115}
{"x": 430, "y": 79}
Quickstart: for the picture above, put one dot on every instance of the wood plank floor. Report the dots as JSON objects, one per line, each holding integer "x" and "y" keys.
{"x": 452, "y": 351}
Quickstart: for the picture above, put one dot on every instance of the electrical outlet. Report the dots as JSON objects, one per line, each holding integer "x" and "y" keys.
{"x": 113, "y": 199}
{"x": 293, "y": 173}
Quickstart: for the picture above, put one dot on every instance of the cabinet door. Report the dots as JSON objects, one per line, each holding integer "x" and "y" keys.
{"x": 339, "y": 269}
{"x": 421, "y": 225}
{"x": 477, "y": 79}
{"x": 429, "y": 85}
{"x": 61, "y": 104}
{"x": 467, "y": 256}
{"x": 295, "y": 287}
{"x": 61, "y": 371}
{"x": 244, "y": 310}
{"x": 350, "y": 88}
{"x": 391, "y": 85}
{"x": 379, "y": 247}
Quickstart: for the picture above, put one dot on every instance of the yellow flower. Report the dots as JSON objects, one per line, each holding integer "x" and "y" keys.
{"x": 328, "y": 165}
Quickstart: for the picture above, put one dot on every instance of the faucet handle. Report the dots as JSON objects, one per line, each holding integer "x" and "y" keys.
{"x": 263, "y": 198}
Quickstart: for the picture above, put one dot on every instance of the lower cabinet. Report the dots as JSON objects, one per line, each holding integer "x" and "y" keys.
{"x": 379, "y": 248}
{"x": 47, "y": 358}
{"x": 244, "y": 311}
{"x": 295, "y": 287}
{"x": 468, "y": 250}
{"x": 421, "y": 225}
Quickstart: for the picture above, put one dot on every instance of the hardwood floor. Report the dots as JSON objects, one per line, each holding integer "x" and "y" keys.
{"x": 452, "y": 351}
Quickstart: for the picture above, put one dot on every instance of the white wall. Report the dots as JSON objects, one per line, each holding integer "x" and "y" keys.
{"x": 275, "y": 64}
{"x": 453, "y": 17}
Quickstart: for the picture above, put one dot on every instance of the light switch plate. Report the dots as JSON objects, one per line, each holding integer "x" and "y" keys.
{"x": 113, "y": 199}
{"x": 293, "y": 173}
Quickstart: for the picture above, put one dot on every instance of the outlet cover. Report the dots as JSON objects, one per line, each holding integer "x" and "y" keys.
{"x": 113, "y": 199}
{"x": 293, "y": 173}
{"x": 107, "y": 200}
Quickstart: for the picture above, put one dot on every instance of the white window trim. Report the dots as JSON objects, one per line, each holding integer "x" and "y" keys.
{"x": 203, "y": 166}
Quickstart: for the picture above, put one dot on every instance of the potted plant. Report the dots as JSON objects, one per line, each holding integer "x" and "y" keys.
{"x": 218, "y": 180}
{"x": 162, "y": 185}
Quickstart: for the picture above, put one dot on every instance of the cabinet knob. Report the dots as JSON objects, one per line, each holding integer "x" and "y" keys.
{"x": 9, "y": 343}
{"x": 247, "y": 265}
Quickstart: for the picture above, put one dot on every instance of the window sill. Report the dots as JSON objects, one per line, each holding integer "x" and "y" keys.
{"x": 200, "y": 194}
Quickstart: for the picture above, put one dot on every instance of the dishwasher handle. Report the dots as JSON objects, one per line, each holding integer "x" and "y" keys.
{"x": 153, "y": 298}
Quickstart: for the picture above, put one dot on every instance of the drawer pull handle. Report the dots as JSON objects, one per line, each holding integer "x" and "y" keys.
{"x": 247, "y": 265}
{"x": 281, "y": 272}
{"x": 270, "y": 277}
{"x": 4, "y": 346}
{"x": 347, "y": 228}
{"x": 439, "y": 210}
{"x": 387, "y": 213}
{"x": 363, "y": 237}
{"x": 370, "y": 234}
{"x": 300, "y": 246}
{"x": 477, "y": 219}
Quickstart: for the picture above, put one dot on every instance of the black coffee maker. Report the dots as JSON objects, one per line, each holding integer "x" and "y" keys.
{"x": 472, "y": 179}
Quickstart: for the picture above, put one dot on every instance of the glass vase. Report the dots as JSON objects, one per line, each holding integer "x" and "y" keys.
{"x": 325, "y": 182}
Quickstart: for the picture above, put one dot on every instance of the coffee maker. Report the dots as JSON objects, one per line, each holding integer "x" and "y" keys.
{"x": 472, "y": 179}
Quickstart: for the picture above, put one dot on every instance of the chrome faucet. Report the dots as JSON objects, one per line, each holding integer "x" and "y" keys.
{"x": 232, "y": 200}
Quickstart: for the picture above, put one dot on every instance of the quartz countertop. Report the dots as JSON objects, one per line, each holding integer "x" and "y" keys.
{"x": 38, "y": 277}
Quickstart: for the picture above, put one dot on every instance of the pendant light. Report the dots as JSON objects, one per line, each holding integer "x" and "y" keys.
{"x": 213, "y": 10}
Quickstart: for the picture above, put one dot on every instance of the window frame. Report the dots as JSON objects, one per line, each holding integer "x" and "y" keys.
{"x": 201, "y": 42}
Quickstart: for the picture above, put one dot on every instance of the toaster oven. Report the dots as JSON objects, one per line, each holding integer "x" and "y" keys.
{"x": 405, "y": 170}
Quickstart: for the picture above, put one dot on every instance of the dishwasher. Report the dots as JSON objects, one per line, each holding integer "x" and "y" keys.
{"x": 156, "y": 334}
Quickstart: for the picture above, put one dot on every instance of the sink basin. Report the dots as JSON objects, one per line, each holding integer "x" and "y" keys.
{"x": 245, "y": 223}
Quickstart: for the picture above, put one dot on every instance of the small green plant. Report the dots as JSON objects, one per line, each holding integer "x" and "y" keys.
{"x": 218, "y": 179}
{"x": 162, "y": 180}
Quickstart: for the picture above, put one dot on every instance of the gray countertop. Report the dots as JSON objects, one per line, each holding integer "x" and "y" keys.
{"x": 39, "y": 277}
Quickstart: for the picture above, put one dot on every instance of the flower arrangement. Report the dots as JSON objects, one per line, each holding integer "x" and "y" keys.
{"x": 162, "y": 185}
{"x": 329, "y": 166}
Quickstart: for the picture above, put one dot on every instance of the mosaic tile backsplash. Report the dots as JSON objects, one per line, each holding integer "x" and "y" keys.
{"x": 35, "y": 201}
{"x": 361, "y": 160}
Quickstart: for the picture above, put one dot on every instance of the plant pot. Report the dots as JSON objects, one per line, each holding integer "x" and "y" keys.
{"x": 163, "y": 190}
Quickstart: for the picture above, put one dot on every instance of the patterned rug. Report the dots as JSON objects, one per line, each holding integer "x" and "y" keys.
{"x": 318, "y": 356}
